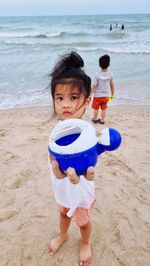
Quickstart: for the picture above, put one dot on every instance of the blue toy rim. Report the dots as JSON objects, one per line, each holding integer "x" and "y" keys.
{"x": 73, "y": 154}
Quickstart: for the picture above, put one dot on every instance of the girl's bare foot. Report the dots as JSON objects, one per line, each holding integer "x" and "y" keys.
{"x": 85, "y": 256}
{"x": 56, "y": 243}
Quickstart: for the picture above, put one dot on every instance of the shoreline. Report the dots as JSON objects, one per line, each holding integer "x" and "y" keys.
{"x": 50, "y": 106}
{"x": 28, "y": 215}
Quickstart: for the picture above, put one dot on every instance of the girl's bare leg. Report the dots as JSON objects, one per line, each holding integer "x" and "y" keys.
{"x": 85, "y": 255}
{"x": 57, "y": 241}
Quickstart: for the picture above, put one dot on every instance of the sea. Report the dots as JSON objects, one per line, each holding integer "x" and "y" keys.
{"x": 30, "y": 46}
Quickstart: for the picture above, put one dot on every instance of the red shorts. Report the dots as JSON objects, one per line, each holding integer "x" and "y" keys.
{"x": 81, "y": 215}
{"x": 100, "y": 102}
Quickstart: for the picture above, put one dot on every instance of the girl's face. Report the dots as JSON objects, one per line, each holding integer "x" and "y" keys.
{"x": 69, "y": 102}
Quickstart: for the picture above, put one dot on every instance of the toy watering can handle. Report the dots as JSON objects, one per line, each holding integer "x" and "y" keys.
{"x": 109, "y": 140}
{"x": 103, "y": 141}
{"x": 67, "y": 130}
{"x": 104, "y": 138}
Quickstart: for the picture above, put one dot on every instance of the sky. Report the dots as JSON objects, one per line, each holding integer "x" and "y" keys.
{"x": 72, "y": 7}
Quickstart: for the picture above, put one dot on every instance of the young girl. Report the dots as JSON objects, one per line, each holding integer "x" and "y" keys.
{"x": 70, "y": 89}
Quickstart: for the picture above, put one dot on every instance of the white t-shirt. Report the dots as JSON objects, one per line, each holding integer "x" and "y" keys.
{"x": 73, "y": 195}
{"x": 102, "y": 83}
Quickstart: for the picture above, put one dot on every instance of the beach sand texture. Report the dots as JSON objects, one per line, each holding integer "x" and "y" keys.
{"x": 28, "y": 217}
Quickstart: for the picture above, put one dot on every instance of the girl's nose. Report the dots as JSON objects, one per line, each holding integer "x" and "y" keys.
{"x": 66, "y": 104}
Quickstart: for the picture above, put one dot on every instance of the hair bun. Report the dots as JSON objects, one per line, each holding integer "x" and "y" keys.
{"x": 75, "y": 60}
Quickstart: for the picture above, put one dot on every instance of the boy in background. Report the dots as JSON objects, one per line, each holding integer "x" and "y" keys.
{"x": 102, "y": 86}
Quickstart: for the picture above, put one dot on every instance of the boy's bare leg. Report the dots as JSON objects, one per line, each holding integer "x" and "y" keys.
{"x": 85, "y": 255}
{"x": 95, "y": 114}
{"x": 103, "y": 115}
{"x": 57, "y": 241}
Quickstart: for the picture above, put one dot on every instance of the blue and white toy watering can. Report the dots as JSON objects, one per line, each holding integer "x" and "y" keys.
{"x": 75, "y": 143}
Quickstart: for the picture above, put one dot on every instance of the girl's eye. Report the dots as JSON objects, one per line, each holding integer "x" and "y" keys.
{"x": 74, "y": 98}
{"x": 59, "y": 98}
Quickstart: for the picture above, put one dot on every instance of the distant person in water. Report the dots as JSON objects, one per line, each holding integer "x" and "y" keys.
{"x": 110, "y": 27}
{"x": 116, "y": 26}
{"x": 122, "y": 26}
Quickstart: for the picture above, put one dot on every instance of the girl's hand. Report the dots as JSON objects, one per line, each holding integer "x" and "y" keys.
{"x": 90, "y": 173}
{"x": 70, "y": 172}
{"x": 74, "y": 179}
{"x": 55, "y": 166}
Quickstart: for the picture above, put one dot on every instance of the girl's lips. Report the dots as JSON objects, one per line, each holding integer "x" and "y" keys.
{"x": 67, "y": 113}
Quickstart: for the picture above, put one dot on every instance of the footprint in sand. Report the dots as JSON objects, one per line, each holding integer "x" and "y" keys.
{"x": 10, "y": 157}
{"x": 114, "y": 161}
{"x": 33, "y": 140}
{"x": 26, "y": 173}
{"x": 7, "y": 213}
{"x": 16, "y": 182}
{"x": 2, "y": 133}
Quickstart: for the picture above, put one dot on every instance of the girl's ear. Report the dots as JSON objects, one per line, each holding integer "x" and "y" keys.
{"x": 87, "y": 102}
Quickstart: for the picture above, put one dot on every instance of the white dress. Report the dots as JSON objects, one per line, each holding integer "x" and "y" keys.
{"x": 73, "y": 195}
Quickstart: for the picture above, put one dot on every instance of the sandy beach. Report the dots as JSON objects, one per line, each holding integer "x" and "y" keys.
{"x": 28, "y": 219}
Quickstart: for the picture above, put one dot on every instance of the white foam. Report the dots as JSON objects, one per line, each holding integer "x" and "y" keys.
{"x": 28, "y": 34}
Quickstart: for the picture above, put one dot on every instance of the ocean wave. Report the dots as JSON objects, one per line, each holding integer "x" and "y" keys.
{"x": 29, "y": 34}
{"x": 111, "y": 50}
{"x": 80, "y": 33}
{"x": 132, "y": 101}
{"x": 35, "y": 98}
{"x": 10, "y": 101}
{"x": 23, "y": 43}
{"x": 119, "y": 50}
{"x": 68, "y": 34}
{"x": 80, "y": 48}
{"x": 48, "y": 35}
{"x": 116, "y": 34}
{"x": 43, "y": 34}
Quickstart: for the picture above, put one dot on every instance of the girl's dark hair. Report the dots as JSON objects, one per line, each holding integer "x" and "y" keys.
{"x": 68, "y": 71}
{"x": 104, "y": 61}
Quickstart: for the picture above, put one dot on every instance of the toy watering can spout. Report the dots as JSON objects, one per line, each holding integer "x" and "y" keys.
{"x": 109, "y": 140}
{"x": 100, "y": 149}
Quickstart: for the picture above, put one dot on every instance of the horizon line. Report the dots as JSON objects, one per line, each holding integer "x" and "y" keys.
{"x": 69, "y": 15}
